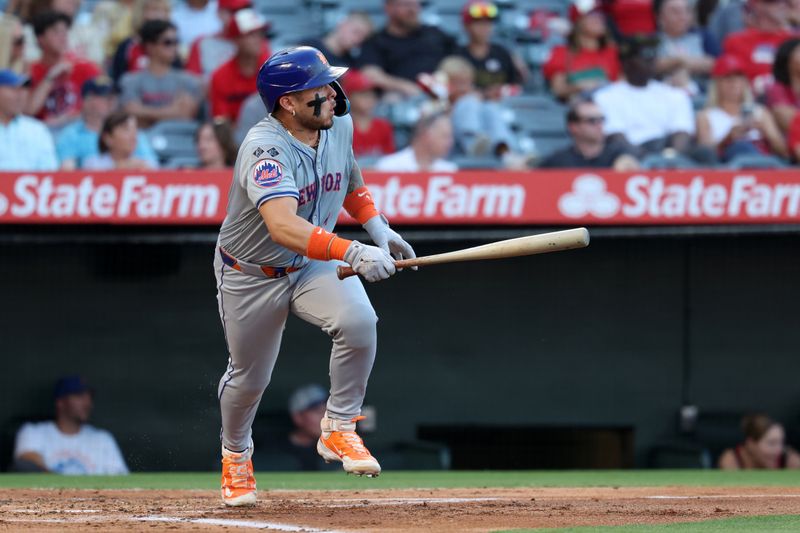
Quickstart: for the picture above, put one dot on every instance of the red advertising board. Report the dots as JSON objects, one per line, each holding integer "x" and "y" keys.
{"x": 470, "y": 197}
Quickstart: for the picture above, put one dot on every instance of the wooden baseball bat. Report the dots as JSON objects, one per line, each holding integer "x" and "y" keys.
{"x": 543, "y": 243}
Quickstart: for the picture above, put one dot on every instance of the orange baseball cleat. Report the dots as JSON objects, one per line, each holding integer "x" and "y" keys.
{"x": 340, "y": 442}
{"x": 238, "y": 481}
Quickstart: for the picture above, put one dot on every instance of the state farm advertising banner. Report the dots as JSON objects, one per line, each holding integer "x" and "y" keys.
{"x": 470, "y": 197}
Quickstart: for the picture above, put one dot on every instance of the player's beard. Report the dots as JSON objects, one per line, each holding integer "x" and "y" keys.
{"x": 315, "y": 123}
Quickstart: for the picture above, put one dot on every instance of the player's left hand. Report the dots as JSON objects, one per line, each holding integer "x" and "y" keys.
{"x": 387, "y": 239}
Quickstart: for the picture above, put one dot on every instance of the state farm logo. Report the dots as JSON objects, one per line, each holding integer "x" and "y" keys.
{"x": 589, "y": 196}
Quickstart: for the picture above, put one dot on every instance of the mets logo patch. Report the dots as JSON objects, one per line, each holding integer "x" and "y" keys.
{"x": 267, "y": 173}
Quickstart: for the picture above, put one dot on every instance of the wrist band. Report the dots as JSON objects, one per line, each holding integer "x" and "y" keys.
{"x": 325, "y": 246}
{"x": 360, "y": 205}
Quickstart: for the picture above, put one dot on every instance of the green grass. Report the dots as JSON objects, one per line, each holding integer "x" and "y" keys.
{"x": 749, "y": 524}
{"x": 426, "y": 479}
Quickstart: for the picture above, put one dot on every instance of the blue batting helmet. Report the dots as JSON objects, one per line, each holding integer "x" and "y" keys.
{"x": 296, "y": 69}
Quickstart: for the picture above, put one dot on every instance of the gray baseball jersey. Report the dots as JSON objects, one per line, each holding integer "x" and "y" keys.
{"x": 271, "y": 164}
{"x": 253, "y": 309}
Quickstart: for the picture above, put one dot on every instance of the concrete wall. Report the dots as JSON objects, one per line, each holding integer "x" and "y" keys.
{"x": 590, "y": 337}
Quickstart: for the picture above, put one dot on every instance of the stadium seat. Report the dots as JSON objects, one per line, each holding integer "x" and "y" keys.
{"x": 180, "y": 162}
{"x": 173, "y": 138}
{"x": 466, "y": 162}
{"x": 755, "y": 161}
{"x": 659, "y": 161}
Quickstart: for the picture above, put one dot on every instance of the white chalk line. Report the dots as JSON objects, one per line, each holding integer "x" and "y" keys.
{"x": 252, "y": 524}
{"x": 719, "y": 496}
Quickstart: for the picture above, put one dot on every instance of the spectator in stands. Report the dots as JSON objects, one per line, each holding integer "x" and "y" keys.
{"x": 755, "y": 46}
{"x": 68, "y": 444}
{"x": 393, "y": 57}
{"x": 727, "y": 18}
{"x": 117, "y": 144}
{"x": 783, "y": 95}
{"x": 77, "y": 142}
{"x": 160, "y": 92}
{"x": 629, "y": 17}
{"x": 209, "y": 52}
{"x": 250, "y": 114}
{"x": 342, "y": 45}
{"x": 764, "y": 447}
{"x": 793, "y": 139}
{"x": 235, "y": 80}
{"x": 589, "y": 59}
{"x": 645, "y": 113}
{"x": 57, "y": 79}
{"x": 297, "y": 450}
{"x": 732, "y": 123}
{"x": 431, "y": 142}
{"x": 215, "y": 146}
{"x": 25, "y": 143}
{"x": 685, "y": 53}
{"x": 589, "y": 148}
{"x": 130, "y": 56}
{"x": 195, "y": 18}
{"x": 497, "y": 72}
{"x": 479, "y": 128}
{"x": 372, "y": 136}
{"x": 12, "y": 36}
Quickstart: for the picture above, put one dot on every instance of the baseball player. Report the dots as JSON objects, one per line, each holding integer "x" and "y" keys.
{"x": 276, "y": 253}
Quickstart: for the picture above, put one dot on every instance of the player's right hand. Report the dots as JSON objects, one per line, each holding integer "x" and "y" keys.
{"x": 371, "y": 262}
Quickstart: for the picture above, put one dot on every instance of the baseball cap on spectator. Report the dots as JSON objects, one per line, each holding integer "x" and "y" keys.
{"x": 580, "y": 8}
{"x": 479, "y": 10}
{"x": 245, "y": 21}
{"x": 234, "y": 5}
{"x": 99, "y": 86}
{"x": 70, "y": 385}
{"x": 9, "y": 78}
{"x": 726, "y": 65}
{"x": 354, "y": 81}
{"x": 307, "y": 397}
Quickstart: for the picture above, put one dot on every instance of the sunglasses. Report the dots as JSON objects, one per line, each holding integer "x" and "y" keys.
{"x": 591, "y": 120}
{"x": 168, "y": 42}
{"x": 19, "y": 41}
{"x": 483, "y": 11}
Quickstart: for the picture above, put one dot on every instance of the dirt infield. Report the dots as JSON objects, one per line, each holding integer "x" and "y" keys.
{"x": 416, "y": 510}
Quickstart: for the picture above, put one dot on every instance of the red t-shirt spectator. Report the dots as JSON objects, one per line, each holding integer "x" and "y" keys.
{"x": 65, "y": 96}
{"x": 583, "y": 64}
{"x": 230, "y": 88}
{"x": 377, "y": 140}
{"x": 632, "y": 16}
{"x": 756, "y": 50}
{"x": 780, "y": 94}
{"x": 794, "y": 136}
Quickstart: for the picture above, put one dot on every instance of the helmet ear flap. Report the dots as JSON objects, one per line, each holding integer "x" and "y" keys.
{"x": 342, "y": 103}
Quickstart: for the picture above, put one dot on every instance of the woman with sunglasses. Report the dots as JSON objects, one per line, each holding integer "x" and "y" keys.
{"x": 589, "y": 59}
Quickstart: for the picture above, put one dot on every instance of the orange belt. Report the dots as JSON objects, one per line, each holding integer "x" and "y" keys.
{"x": 253, "y": 269}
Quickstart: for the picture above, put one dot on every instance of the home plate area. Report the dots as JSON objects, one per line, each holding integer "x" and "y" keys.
{"x": 410, "y": 510}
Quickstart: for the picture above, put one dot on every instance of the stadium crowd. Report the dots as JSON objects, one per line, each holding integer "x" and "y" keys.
{"x": 434, "y": 85}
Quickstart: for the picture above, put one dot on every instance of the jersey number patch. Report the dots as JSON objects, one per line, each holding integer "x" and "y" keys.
{"x": 267, "y": 173}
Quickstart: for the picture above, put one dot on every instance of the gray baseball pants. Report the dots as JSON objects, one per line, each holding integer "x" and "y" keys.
{"x": 254, "y": 310}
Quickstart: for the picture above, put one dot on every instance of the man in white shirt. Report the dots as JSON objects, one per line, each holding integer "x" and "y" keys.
{"x": 432, "y": 141}
{"x": 641, "y": 111}
{"x": 68, "y": 444}
{"x": 25, "y": 143}
{"x": 195, "y": 18}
